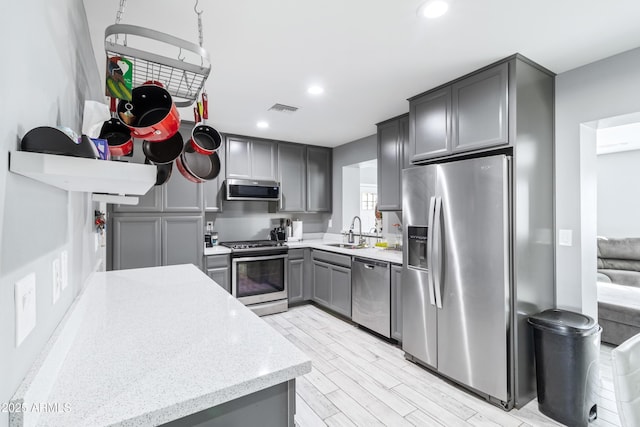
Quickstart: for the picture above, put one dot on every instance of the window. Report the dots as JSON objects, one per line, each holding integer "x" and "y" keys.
{"x": 369, "y": 201}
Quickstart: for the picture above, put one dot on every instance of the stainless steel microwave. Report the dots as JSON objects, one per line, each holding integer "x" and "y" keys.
{"x": 249, "y": 189}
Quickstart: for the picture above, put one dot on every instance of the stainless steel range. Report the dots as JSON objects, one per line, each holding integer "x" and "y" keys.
{"x": 259, "y": 274}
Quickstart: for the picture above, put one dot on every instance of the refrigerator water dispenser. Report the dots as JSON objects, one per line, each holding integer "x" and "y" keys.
{"x": 418, "y": 252}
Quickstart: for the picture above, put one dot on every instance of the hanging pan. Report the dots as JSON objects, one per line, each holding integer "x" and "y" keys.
{"x": 163, "y": 171}
{"x": 151, "y": 114}
{"x": 204, "y": 139}
{"x": 118, "y": 135}
{"x": 166, "y": 151}
{"x": 198, "y": 168}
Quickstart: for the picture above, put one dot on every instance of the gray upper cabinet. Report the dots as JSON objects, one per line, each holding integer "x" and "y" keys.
{"x": 480, "y": 110}
{"x": 238, "y": 155}
{"x": 263, "y": 160}
{"x": 136, "y": 242}
{"x": 213, "y": 190}
{"x": 150, "y": 202}
{"x": 180, "y": 195}
{"x": 251, "y": 159}
{"x": 181, "y": 240}
{"x": 392, "y": 139}
{"x": 292, "y": 169}
{"x": 430, "y": 125}
{"x": 319, "y": 171}
{"x": 470, "y": 113}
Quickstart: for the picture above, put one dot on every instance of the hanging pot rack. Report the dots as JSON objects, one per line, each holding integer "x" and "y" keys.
{"x": 183, "y": 76}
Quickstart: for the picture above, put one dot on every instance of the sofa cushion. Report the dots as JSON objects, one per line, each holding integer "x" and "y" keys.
{"x": 623, "y": 277}
{"x": 619, "y": 249}
{"x": 618, "y": 312}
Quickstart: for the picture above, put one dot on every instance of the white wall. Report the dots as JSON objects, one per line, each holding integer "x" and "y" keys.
{"x": 48, "y": 72}
{"x": 599, "y": 90}
{"x": 618, "y": 195}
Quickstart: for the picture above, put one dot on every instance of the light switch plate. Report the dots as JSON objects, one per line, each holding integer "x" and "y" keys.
{"x": 330, "y": 223}
{"x": 565, "y": 238}
{"x": 64, "y": 269}
{"x": 25, "y": 300}
{"x": 56, "y": 280}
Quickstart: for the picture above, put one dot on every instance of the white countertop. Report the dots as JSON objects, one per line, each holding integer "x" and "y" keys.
{"x": 216, "y": 250}
{"x": 147, "y": 346}
{"x": 323, "y": 244}
{"x": 371, "y": 253}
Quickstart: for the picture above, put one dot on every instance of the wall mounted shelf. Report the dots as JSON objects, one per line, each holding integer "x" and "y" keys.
{"x": 85, "y": 175}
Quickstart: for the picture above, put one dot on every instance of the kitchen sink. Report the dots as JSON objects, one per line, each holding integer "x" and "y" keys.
{"x": 346, "y": 246}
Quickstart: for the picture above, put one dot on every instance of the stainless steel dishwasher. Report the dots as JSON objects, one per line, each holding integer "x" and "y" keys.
{"x": 371, "y": 300}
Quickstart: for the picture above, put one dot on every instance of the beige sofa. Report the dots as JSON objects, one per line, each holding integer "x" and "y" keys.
{"x": 618, "y": 288}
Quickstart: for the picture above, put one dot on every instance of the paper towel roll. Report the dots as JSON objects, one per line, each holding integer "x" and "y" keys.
{"x": 297, "y": 231}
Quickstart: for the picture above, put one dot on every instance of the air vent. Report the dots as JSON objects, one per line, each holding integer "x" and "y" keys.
{"x": 283, "y": 108}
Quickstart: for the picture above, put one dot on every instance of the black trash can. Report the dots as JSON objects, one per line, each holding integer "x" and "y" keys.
{"x": 567, "y": 347}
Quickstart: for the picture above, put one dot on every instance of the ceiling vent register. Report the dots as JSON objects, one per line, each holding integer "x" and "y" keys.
{"x": 281, "y": 108}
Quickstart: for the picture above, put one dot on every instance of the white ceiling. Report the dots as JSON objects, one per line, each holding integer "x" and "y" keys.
{"x": 370, "y": 55}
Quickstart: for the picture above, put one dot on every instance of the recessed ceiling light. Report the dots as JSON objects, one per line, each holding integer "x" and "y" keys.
{"x": 315, "y": 90}
{"x": 262, "y": 124}
{"x": 434, "y": 9}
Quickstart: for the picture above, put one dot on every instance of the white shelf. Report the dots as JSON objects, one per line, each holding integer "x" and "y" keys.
{"x": 86, "y": 175}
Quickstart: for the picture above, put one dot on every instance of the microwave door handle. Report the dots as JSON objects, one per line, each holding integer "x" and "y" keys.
{"x": 437, "y": 244}
{"x": 429, "y": 248}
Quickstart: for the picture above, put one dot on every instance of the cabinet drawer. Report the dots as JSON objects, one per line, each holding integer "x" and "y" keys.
{"x": 332, "y": 258}
{"x": 217, "y": 261}
{"x": 296, "y": 253}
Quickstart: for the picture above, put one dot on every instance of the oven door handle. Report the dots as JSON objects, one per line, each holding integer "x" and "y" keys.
{"x": 259, "y": 258}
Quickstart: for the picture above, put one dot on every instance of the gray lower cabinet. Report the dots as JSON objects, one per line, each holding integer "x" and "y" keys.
{"x": 396, "y": 302}
{"x": 218, "y": 269}
{"x": 250, "y": 158}
{"x": 292, "y": 170}
{"x": 470, "y": 113}
{"x": 332, "y": 281}
{"x": 136, "y": 242}
{"x": 151, "y": 241}
{"x": 319, "y": 171}
{"x": 296, "y": 276}
{"x": 393, "y": 135}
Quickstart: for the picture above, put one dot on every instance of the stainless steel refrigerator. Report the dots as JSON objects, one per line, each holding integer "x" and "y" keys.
{"x": 457, "y": 289}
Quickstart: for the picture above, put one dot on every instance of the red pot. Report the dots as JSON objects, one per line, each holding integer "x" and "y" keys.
{"x": 151, "y": 114}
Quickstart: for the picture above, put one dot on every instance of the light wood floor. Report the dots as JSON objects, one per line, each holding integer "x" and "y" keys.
{"x": 360, "y": 380}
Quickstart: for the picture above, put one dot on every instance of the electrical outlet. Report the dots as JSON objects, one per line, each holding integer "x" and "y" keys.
{"x": 330, "y": 223}
{"x": 209, "y": 225}
{"x": 25, "y": 300}
{"x": 56, "y": 280}
{"x": 64, "y": 269}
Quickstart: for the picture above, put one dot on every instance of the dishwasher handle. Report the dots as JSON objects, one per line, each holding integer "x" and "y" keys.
{"x": 370, "y": 264}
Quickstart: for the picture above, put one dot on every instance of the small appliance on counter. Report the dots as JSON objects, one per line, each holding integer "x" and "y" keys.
{"x": 296, "y": 231}
{"x": 210, "y": 237}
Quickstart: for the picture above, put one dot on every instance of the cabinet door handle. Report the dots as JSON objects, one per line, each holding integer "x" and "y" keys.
{"x": 369, "y": 266}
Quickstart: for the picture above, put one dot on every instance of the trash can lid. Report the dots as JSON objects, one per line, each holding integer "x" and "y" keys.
{"x": 563, "y": 322}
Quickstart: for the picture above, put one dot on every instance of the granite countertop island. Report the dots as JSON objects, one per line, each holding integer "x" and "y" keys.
{"x": 149, "y": 346}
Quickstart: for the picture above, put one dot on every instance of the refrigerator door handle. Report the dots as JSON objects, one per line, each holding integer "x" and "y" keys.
{"x": 437, "y": 254}
{"x": 432, "y": 208}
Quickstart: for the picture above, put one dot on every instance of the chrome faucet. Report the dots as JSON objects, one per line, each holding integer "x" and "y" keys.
{"x": 361, "y": 240}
